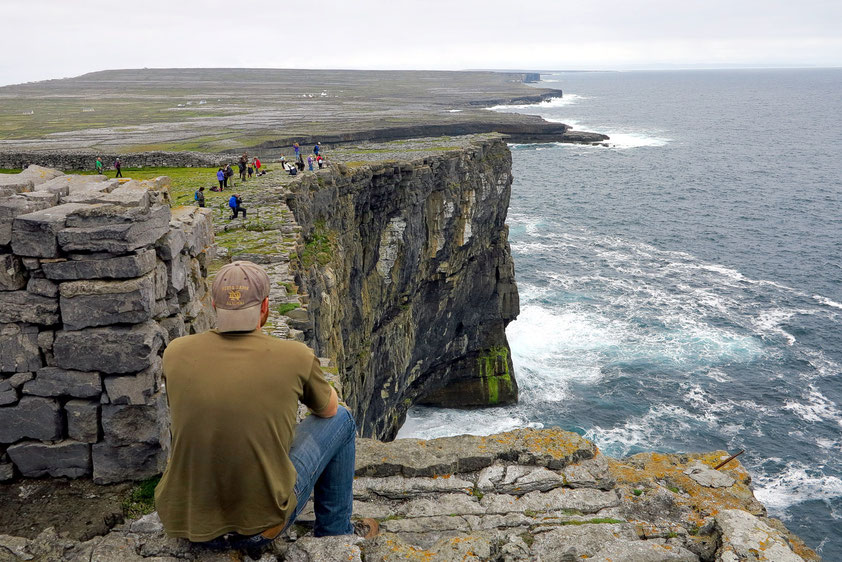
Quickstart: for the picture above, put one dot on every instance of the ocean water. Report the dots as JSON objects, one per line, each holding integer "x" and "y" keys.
{"x": 681, "y": 289}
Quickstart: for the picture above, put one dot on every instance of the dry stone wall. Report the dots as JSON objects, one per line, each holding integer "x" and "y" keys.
{"x": 96, "y": 276}
{"x": 87, "y": 160}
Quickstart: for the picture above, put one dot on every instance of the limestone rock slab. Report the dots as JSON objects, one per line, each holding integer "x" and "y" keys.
{"x": 518, "y": 480}
{"x": 19, "y": 343}
{"x": 32, "y": 417}
{"x": 66, "y": 458}
{"x": 35, "y": 234}
{"x": 746, "y": 537}
{"x": 580, "y": 541}
{"x": 325, "y": 549}
{"x": 23, "y": 306}
{"x": 130, "y": 462}
{"x": 551, "y": 448}
{"x": 13, "y": 207}
{"x": 707, "y": 476}
{"x": 52, "y": 381}
{"x": 584, "y": 500}
{"x": 42, "y": 287}
{"x": 83, "y": 420}
{"x": 127, "y": 424}
{"x": 397, "y": 487}
{"x": 86, "y": 304}
{"x": 13, "y": 275}
{"x": 115, "y": 229}
{"x": 133, "y": 389}
{"x": 643, "y": 551}
{"x": 84, "y": 267}
{"x": 112, "y": 350}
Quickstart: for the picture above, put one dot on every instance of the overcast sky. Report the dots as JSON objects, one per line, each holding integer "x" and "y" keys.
{"x": 59, "y": 38}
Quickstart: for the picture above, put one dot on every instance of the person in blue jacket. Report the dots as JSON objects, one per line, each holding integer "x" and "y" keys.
{"x": 220, "y": 176}
{"x": 236, "y": 204}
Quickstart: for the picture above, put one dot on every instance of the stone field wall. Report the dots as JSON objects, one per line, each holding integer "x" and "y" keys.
{"x": 96, "y": 276}
{"x": 86, "y": 161}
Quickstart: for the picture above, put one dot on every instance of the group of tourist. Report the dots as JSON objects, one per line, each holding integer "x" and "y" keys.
{"x": 317, "y": 158}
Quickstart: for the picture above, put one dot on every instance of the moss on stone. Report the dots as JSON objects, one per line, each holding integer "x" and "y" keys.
{"x": 141, "y": 498}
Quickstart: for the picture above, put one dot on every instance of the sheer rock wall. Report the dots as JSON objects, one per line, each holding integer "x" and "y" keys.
{"x": 410, "y": 279}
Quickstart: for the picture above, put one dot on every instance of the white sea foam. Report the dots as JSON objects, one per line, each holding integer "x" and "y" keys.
{"x": 771, "y": 320}
{"x": 795, "y": 484}
{"x": 827, "y": 302}
{"x": 815, "y": 408}
{"x": 431, "y": 423}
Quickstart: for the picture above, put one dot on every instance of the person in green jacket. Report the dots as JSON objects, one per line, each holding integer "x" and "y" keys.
{"x": 98, "y": 165}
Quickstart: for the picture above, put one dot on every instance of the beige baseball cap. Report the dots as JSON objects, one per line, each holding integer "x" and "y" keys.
{"x": 237, "y": 292}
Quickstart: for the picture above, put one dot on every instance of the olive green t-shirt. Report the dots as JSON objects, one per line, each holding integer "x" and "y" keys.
{"x": 233, "y": 400}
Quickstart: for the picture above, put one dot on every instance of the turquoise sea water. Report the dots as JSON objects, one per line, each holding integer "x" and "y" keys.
{"x": 681, "y": 289}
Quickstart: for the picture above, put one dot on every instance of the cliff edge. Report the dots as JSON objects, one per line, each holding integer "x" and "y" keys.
{"x": 406, "y": 261}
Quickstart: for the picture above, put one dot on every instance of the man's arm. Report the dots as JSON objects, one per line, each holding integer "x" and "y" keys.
{"x": 332, "y": 406}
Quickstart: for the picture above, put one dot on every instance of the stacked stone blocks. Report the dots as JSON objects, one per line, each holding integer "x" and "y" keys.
{"x": 96, "y": 277}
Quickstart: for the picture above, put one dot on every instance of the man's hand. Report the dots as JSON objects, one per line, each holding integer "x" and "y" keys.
{"x": 332, "y": 405}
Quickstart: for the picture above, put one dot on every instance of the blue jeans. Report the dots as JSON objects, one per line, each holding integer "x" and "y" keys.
{"x": 323, "y": 455}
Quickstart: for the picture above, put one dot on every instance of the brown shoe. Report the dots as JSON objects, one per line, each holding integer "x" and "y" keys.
{"x": 366, "y": 527}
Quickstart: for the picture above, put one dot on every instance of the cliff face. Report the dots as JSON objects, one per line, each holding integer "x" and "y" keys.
{"x": 411, "y": 280}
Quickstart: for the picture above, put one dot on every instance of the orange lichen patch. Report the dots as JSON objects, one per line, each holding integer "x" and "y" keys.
{"x": 409, "y": 552}
{"x": 554, "y": 442}
{"x": 647, "y": 470}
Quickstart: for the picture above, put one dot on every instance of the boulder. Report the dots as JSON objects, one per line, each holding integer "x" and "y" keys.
{"x": 23, "y": 306}
{"x": 35, "y": 234}
{"x": 83, "y": 420}
{"x": 44, "y": 196}
{"x": 746, "y": 537}
{"x": 323, "y": 549}
{"x": 115, "y": 229}
{"x": 580, "y": 541}
{"x": 85, "y": 304}
{"x": 13, "y": 275}
{"x": 107, "y": 267}
{"x": 112, "y": 349}
{"x": 65, "y": 458}
{"x": 33, "y": 417}
{"x": 19, "y": 343}
{"x": 52, "y": 381}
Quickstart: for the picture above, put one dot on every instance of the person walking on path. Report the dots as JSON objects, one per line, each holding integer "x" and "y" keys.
{"x": 236, "y": 205}
{"x": 199, "y": 196}
{"x": 251, "y": 168}
{"x": 310, "y": 162}
{"x": 220, "y": 176}
{"x": 98, "y": 165}
{"x": 119, "y": 167}
{"x": 256, "y": 165}
{"x": 239, "y": 470}
{"x": 297, "y": 148}
{"x": 316, "y": 148}
{"x": 242, "y": 166}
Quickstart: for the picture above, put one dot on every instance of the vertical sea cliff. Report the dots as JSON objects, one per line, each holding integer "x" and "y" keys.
{"x": 410, "y": 277}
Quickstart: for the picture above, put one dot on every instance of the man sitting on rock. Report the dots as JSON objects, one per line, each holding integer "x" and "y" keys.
{"x": 240, "y": 471}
